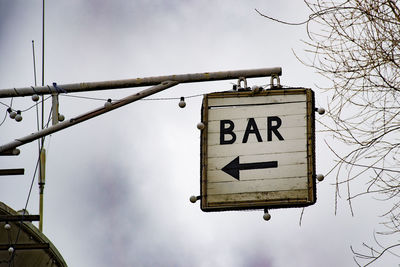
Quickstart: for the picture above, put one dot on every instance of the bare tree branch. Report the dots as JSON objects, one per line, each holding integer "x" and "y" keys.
{"x": 356, "y": 45}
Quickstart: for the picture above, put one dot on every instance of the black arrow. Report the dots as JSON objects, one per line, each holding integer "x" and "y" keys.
{"x": 233, "y": 167}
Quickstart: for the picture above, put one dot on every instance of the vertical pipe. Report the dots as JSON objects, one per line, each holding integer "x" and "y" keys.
{"x": 41, "y": 211}
{"x": 43, "y": 68}
{"x": 42, "y": 181}
{"x": 54, "y": 109}
{"x": 34, "y": 62}
{"x": 43, "y": 45}
{"x": 42, "y": 156}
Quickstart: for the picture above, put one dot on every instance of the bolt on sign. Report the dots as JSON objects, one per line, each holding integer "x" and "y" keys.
{"x": 257, "y": 150}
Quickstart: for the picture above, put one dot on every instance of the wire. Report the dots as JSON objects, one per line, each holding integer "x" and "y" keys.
{"x": 31, "y": 107}
{"x": 5, "y": 117}
{"x": 48, "y": 120}
{"x": 85, "y": 97}
{"x": 169, "y": 98}
{"x": 27, "y": 109}
{"x": 8, "y": 106}
{"x": 4, "y": 104}
{"x": 144, "y": 99}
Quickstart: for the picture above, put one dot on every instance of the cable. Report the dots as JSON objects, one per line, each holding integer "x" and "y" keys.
{"x": 8, "y": 106}
{"x": 27, "y": 109}
{"x": 85, "y": 97}
{"x": 144, "y": 99}
{"x": 169, "y": 98}
{"x": 5, "y": 117}
{"x": 31, "y": 107}
{"x": 48, "y": 121}
{"x": 4, "y": 104}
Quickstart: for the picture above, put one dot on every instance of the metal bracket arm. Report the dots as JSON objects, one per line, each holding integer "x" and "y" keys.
{"x": 91, "y": 114}
{"x": 139, "y": 82}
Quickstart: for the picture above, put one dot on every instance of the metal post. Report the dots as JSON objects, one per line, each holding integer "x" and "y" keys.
{"x": 42, "y": 181}
{"x": 54, "y": 109}
{"x": 42, "y": 152}
{"x": 139, "y": 82}
{"x": 88, "y": 115}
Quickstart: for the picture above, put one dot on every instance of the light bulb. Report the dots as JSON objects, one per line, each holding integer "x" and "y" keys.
{"x": 35, "y": 97}
{"x": 18, "y": 117}
{"x": 12, "y": 113}
{"x": 61, "y": 117}
{"x": 320, "y": 111}
{"x": 108, "y": 103}
{"x": 267, "y": 216}
{"x": 182, "y": 102}
{"x": 200, "y": 126}
{"x": 193, "y": 199}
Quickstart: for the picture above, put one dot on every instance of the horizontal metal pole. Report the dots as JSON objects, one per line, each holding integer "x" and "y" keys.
{"x": 4, "y": 172}
{"x": 18, "y": 218}
{"x": 88, "y": 115}
{"x": 138, "y": 82}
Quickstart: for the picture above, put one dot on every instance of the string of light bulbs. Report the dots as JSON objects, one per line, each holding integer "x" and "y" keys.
{"x": 17, "y": 114}
{"x": 143, "y": 99}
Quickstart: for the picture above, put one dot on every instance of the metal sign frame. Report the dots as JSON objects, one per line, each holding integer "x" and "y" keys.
{"x": 264, "y": 202}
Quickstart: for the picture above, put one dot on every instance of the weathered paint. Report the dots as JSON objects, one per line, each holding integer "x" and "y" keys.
{"x": 237, "y": 126}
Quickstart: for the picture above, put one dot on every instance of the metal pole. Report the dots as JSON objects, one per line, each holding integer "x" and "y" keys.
{"x": 41, "y": 182}
{"x": 54, "y": 109}
{"x": 138, "y": 82}
{"x": 42, "y": 152}
{"x": 88, "y": 115}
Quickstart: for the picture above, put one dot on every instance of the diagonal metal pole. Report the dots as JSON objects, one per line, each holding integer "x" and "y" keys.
{"x": 158, "y": 84}
{"x": 86, "y": 116}
{"x": 139, "y": 82}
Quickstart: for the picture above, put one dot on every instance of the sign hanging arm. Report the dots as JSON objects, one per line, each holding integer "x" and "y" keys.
{"x": 140, "y": 82}
{"x": 86, "y": 116}
{"x": 158, "y": 84}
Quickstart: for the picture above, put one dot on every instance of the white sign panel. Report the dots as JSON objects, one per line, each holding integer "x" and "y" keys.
{"x": 258, "y": 150}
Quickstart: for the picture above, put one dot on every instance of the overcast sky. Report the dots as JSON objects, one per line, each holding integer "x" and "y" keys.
{"x": 118, "y": 186}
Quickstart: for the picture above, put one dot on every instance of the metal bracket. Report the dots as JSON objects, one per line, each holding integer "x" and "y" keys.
{"x": 278, "y": 82}
{"x": 19, "y": 218}
{"x": 240, "y": 80}
{"x": 19, "y": 171}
